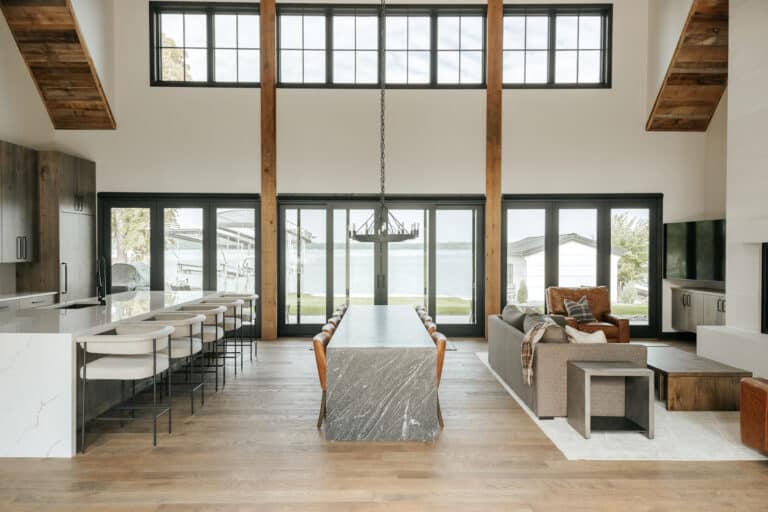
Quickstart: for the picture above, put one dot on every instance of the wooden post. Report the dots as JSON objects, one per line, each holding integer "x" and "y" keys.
{"x": 268, "y": 172}
{"x": 493, "y": 161}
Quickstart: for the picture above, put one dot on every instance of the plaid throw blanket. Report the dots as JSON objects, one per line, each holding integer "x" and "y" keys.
{"x": 528, "y": 348}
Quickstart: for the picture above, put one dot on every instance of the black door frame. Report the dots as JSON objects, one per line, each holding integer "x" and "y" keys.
{"x": 430, "y": 204}
{"x": 157, "y": 202}
{"x": 603, "y": 203}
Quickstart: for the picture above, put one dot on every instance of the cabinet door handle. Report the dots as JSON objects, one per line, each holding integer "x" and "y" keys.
{"x": 24, "y": 246}
{"x": 66, "y": 279}
{"x": 722, "y": 305}
{"x": 18, "y": 247}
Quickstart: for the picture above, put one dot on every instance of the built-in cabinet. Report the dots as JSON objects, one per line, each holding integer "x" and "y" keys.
{"x": 693, "y": 307}
{"x": 18, "y": 203}
{"x": 67, "y": 186}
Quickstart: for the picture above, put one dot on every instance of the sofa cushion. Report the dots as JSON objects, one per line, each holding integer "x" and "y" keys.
{"x": 553, "y": 334}
{"x": 514, "y": 316}
{"x": 577, "y": 336}
{"x": 579, "y": 310}
{"x": 610, "y": 330}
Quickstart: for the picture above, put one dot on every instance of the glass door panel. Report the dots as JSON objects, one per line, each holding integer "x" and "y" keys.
{"x": 526, "y": 257}
{"x": 407, "y": 262}
{"x": 183, "y": 248}
{"x": 630, "y": 250}
{"x": 577, "y": 255}
{"x": 353, "y": 261}
{"x": 236, "y": 250}
{"x": 455, "y": 266}
{"x": 130, "y": 249}
{"x": 305, "y": 264}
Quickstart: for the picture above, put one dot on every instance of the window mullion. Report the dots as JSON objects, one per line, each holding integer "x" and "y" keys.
{"x": 551, "y": 50}
{"x": 328, "y": 46}
{"x": 433, "y": 48}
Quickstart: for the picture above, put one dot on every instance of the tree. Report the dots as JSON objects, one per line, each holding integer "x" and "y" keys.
{"x": 130, "y": 234}
{"x": 522, "y": 292}
{"x": 173, "y": 61}
{"x": 630, "y": 234}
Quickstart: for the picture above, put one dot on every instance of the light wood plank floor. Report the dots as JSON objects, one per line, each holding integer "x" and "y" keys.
{"x": 254, "y": 446}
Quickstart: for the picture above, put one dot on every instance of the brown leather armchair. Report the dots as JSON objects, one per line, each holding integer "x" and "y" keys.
{"x": 616, "y": 329}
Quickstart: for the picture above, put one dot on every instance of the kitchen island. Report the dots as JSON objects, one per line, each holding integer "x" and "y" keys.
{"x": 382, "y": 377}
{"x": 38, "y": 359}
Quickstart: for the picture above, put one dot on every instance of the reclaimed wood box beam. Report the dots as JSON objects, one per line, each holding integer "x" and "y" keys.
{"x": 698, "y": 73}
{"x": 53, "y": 47}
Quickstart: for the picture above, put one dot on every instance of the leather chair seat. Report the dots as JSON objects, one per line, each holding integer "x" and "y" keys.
{"x": 124, "y": 367}
{"x": 610, "y": 330}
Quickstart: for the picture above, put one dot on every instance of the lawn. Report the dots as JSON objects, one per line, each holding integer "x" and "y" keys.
{"x": 315, "y": 304}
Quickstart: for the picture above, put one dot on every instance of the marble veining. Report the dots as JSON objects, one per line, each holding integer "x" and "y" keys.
{"x": 382, "y": 395}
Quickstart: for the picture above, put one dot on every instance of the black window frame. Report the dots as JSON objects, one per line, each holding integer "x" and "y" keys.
{"x": 431, "y": 204}
{"x": 552, "y": 11}
{"x": 210, "y": 9}
{"x": 426, "y": 10}
{"x": 156, "y": 203}
{"x": 603, "y": 203}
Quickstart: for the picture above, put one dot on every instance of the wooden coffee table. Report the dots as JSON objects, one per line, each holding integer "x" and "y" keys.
{"x": 687, "y": 382}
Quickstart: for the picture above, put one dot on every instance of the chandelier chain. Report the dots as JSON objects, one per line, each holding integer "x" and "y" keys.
{"x": 382, "y": 120}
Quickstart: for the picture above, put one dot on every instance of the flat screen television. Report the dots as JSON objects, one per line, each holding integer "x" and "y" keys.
{"x": 695, "y": 250}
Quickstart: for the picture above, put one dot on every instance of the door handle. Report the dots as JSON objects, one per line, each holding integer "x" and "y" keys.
{"x": 24, "y": 247}
{"x": 66, "y": 279}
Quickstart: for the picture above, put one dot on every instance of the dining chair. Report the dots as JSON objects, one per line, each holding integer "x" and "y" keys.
{"x": 440, "y": 342}
{"x": 320, "y": 343}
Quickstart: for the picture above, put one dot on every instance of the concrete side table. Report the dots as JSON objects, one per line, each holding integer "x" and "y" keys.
{"x": 638, "y": 397}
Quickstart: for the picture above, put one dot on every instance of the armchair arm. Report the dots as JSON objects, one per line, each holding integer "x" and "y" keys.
{"x": 621, "y": 323}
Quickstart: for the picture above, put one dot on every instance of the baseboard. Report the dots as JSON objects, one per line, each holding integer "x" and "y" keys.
{"x": 678, "y": 336}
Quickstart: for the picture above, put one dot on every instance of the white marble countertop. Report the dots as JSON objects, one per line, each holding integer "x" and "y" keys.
{"x": 119, "y": 307}
{"x": 395, "y": 326}
{"x": 4, "y": 297}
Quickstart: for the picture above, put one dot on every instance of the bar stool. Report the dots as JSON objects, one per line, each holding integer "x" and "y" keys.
{"x": 212, "y": 335}
{"x": 440, "y": 342}
{"x": 186, "y": 343}
{"x": 132, "y": 353}
{"x": 233, "y": 322}
{"x": 320, "y": 343}
{"x": 248, "y": 316}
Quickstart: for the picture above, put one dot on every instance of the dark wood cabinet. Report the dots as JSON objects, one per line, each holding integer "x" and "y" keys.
{"x": 18, "y": 203}
{"x": 67, "y": 189}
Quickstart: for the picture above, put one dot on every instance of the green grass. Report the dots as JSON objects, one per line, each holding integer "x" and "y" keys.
{"x": 315, "y": 304}
{"x": 629, "y": 309}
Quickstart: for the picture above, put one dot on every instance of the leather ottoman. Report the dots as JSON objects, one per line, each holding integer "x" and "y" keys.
{"x": 754, "y": 414}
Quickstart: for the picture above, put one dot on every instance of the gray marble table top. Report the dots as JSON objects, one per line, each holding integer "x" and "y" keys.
{"x": 381, "y": 327}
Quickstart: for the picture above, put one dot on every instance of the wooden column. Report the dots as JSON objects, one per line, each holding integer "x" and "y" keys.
{"x": 268, "y": 173}
{"x": 493, "y": 161}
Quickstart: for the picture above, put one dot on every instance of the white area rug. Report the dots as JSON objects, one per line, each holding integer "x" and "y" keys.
{"x": 680, "y": 435}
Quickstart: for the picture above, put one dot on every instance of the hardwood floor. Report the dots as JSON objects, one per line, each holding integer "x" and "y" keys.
{"x": 254, "y": 446}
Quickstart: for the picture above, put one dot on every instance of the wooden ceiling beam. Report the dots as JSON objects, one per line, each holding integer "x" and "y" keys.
{"x": 698, "y": 73}
{"x": 52, "y": 45}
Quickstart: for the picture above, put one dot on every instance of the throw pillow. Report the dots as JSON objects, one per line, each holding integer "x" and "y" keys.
{"x": 514, "y": 316}
{"x": 576, "y": 336}
{"x": 553, "y": 334}
{"x": 579, "y": 310}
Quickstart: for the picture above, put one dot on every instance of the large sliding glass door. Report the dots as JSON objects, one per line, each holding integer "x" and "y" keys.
{"x": 178, "y": 242}
{"x": 439, "y": 269}
{"x": 605, "y": 240}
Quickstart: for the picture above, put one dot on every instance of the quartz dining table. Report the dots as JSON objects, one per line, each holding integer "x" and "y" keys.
{"x": 382, "y": 377}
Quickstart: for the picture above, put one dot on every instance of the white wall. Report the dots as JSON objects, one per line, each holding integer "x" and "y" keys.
{"x": 747, "y": 160}
{"x": 96, "y": 21}
{"x": 665, "y": 23}
{"x": 168, "y": 139}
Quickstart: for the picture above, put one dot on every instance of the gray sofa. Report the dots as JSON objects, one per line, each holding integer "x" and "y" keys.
{"x": 546, "y": 397}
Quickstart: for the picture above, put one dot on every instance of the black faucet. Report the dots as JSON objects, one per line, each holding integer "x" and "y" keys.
{"x": 101, "y": 281}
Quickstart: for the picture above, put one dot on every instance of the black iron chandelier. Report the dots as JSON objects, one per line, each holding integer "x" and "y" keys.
{"x": 382, "y": 225}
